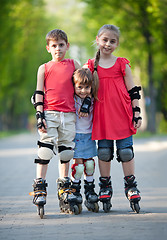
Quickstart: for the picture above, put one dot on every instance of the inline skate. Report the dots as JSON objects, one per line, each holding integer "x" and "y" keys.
{"x": 70, "y": 199}
{"x": 132, "y": 193}
{"x": 105, "y": 193}
{"x": 39, "y": 194}
{"x": 91, "y": 201}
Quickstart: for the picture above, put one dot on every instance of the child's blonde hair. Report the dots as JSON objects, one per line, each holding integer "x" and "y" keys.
{"x": 56, "y": 34}
{"x": 85, "y": 77}
{"x": 104, "y": 28}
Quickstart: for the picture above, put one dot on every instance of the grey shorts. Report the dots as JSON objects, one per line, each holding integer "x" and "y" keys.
{"x": 60, "y": 128}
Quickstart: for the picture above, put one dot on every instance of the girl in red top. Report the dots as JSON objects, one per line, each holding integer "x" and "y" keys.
{"x": 116, "y": 114}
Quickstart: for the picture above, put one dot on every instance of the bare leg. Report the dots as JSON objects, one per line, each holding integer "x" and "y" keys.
{"x": 63, "y": 169}
{"x": 104, "y": 168}
{"x": 41, "y": 170}
{"x": 128, "y": 168}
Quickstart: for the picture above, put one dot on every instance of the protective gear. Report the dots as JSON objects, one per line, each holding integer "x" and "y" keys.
{"x": 136, "y": 119}
{"x": 134, "y": 93}
{"x": 33, "y": 98}
{"x": 136, "y": 109}
{"x": 132, "y": 193}
{"x": 40, "y": 117}
{"x": 125, "y": 154}
{"x": 65, "y": 153}
{"x": 86, "y": 105}
{"x": 105, "y": 154}
{"x": 89, "y": 167}
{"x": 40, "y": 192}
{"x": 45, "y": 153}
{"x": 77, "y": 171}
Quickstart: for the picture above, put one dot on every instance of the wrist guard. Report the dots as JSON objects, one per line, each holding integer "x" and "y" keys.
{"x": 40, "y": 116}
{"x": 136, "y": 119}
{"x": 86, "y": 105}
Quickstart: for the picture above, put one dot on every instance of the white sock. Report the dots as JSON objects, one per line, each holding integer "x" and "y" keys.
{"x": 89, "y": 178}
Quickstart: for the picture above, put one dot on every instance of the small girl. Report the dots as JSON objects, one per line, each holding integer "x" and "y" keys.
{"x": 116, "y": 115}
{"x": 85, "y": 147}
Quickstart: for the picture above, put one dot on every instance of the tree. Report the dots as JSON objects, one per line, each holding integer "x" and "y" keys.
{"x": 21, "y": 31}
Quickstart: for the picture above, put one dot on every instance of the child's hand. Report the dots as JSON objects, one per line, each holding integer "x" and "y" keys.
{"x": 137, "y": 121}
{"x": 82, "y": 114}
{"x": 43, "y": 129}
{"x": 41, "y": 123}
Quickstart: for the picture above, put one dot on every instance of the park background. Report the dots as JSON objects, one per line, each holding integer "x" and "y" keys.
{"x": 25, "y": 23}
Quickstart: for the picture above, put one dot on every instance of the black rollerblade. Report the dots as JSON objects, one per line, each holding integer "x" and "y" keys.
{"x": 76, "y": 192}
{"x": 39, "y": 194}
{"x": 69, "y": 199}
{"x": 91, "y": 201}
{"x": 132, "y": 193}
{"x": 105, "y": 193}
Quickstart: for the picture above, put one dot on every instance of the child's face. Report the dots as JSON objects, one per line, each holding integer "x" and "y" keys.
{"x": 57, "y": 49}
{"x": 107, "y": 42}
{"x": 82, "y": 90}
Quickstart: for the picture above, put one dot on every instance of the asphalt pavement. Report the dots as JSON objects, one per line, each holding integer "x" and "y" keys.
{"x": 19, "y": 219}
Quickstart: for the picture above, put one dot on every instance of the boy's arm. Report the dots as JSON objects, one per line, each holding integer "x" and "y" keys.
{"x": 77, "y": 65}
{"x": 135, "y": 92}
{"x": 39, "y": 98}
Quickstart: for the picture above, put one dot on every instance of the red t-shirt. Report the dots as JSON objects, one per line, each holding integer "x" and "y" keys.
{"x": 113, "y": 113}
{"x": 58, "y": 86}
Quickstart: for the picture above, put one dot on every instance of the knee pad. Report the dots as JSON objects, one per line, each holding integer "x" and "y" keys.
{"x": 45, "y": 153}
{"x": 77, "y": 171}
{"x": 125, "y": 154}
{"x": 65, "y": 153}
{"x": 89, "y": 167}
{"x": 105, "y": 154}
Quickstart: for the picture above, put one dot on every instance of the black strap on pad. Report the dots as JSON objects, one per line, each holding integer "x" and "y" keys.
{"x": 43, "y": 144}
{"x": 35, "y": 104}
{"x": 134, "y": 93}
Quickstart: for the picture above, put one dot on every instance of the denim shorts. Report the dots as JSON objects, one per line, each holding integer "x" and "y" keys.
{"x": 85, "y": 147}
{"x": 122, "y": 143}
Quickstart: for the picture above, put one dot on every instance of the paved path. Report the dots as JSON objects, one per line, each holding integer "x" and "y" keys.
{"x": 18, "y": 217}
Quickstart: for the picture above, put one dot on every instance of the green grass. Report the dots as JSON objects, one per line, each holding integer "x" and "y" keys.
{"x": 4, "y": 134}
{"x": 147, "y": 134}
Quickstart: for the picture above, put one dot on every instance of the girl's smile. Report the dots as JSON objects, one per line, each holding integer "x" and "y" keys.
{"x": 82, "y": 90}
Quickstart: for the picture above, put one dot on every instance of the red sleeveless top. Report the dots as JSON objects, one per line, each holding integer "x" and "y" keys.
{"x": 58, "y": 86}
{"x": 113, "y": 113}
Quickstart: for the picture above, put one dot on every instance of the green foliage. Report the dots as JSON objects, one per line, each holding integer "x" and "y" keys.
{"x": 22, "y": 43}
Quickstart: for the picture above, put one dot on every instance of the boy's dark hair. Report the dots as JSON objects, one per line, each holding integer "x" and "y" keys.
{"x": 56, "y": 34}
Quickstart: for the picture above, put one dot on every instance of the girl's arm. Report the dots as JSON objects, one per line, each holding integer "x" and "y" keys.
{"x": 135, "y": 102}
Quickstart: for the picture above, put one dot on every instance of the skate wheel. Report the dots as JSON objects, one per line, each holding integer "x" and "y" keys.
{"x": 80, "y": 208}
{"x": 106, "y": 207}
{"x": 87, "y": 205}
{"x": 96, "y": 208}
{"x": 135, "y": 207}
{"x": 41, "y": 211}
{"x": 75, "y": 210}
